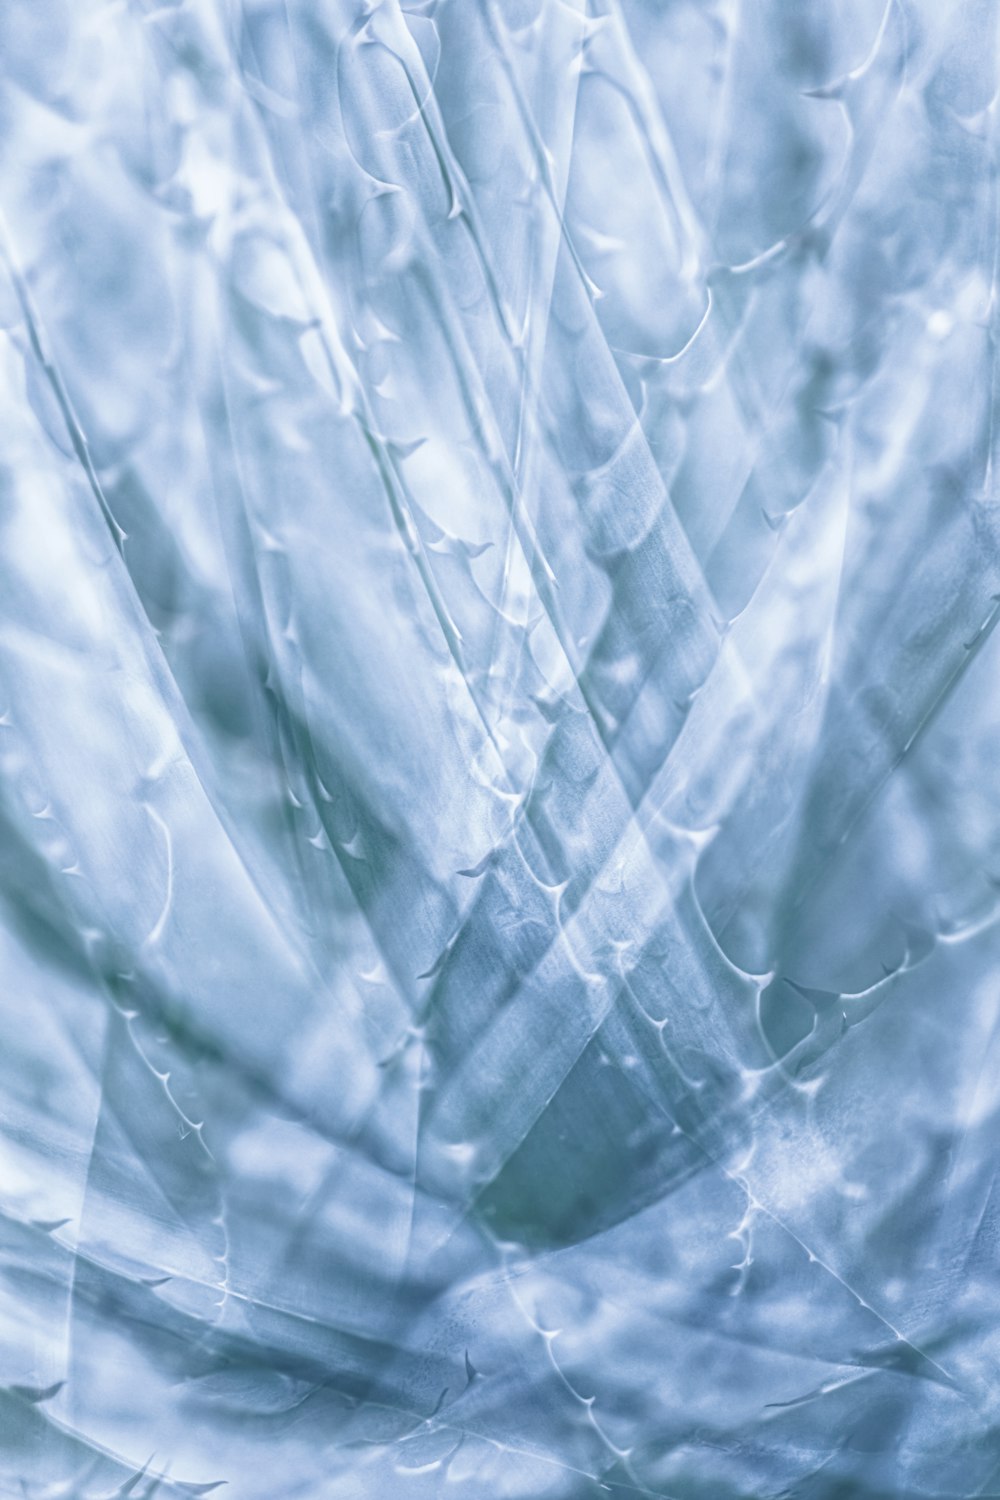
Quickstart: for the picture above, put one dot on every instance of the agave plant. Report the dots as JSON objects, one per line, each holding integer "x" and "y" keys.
{"x": 499, "y": 746}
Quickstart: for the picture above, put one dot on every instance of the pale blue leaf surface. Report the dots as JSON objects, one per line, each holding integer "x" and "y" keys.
{"x": 499, "y": 553}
